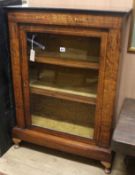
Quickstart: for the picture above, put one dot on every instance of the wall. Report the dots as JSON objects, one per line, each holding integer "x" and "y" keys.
{"x": 114, "y": 5}
{"x": 127, "y": 73}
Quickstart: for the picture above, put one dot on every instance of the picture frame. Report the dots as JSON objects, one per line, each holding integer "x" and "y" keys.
{"x": 131, "y": 46}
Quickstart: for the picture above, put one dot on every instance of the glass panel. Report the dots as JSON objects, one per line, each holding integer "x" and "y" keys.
{"x": 63, "y": 95}
{"x": 65, "y": 47}
{"x": 64, "y": 116}
{"x": 82, "y": 82}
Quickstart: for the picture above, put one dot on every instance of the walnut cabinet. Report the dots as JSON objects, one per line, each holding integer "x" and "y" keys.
{"x": 64, "y": 69}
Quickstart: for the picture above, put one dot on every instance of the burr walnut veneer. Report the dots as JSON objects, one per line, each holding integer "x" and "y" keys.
{"x": 65, "y": 93}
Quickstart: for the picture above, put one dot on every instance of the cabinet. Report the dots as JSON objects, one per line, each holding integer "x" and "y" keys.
{"x": 64, "y": 68}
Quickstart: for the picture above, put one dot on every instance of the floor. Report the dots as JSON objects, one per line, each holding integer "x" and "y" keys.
{"x": 35, "y": 160}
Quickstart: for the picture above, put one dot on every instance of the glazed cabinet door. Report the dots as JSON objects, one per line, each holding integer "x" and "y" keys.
{"x": 63, "y": 75}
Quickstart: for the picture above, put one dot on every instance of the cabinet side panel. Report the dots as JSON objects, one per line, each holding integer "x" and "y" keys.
{"x": 111, "y": 71}
{"x": 16, "y": 73}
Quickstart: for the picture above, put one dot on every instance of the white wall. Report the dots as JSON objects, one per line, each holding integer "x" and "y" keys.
{"x": 85, "y": 4}
{"x": 127, "y": 73}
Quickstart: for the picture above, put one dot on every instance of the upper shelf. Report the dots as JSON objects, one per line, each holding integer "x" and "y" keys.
{"x": 66, "y": 50}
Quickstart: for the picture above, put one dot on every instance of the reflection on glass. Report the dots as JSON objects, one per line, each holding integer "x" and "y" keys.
{"x": 76, "y": 48}
{"x": 64, "y": 116}
{"x": 63, "y": 82}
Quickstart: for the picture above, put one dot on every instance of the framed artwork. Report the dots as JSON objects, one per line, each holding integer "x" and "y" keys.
{"x": 131, "y": 47}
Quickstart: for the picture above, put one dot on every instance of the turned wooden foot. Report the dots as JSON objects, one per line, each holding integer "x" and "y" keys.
{"x": 107, "y": 166}
{"x": 16, "y": 143}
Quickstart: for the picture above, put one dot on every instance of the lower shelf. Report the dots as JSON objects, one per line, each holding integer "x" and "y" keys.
{"x": 63, "y": 116}
{"x": 63, "y": 144}
{"x": 63, "y": 126}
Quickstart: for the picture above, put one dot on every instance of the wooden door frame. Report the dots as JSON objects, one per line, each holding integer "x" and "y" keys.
{"x": 25, "y": 77}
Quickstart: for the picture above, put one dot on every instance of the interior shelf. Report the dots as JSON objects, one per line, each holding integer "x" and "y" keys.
{"x": 62, "y": 126}
{"x": 66, "y": 50}
{"x": 62, "y": 115}
{"x": 63, "y": 94}
{"x": 67, "y": 63}
{"x": 65, "y": 83}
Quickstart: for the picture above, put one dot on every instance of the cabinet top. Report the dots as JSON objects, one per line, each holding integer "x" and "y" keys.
{"x": 100, "y": 8}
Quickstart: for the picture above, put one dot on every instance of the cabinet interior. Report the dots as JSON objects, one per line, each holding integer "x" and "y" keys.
{"x": 67, "y": 47}
{"x": 63, "y": 82}
{"x": 64, "y": 116}
{"x": 62, "y": 79}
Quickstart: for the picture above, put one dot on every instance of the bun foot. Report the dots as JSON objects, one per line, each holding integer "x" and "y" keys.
{"x": 107, "y": 166}
{"x": 107, "y": 171}
{"x": 16, "y": 143}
